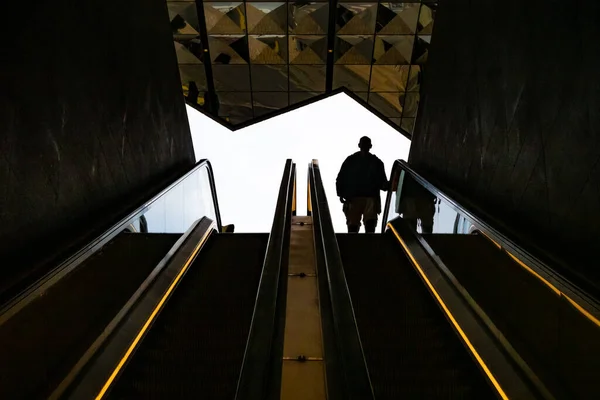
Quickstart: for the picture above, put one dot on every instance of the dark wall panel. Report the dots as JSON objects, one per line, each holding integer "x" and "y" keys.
{"x": 91, "y": 119}
{"x": 510, "y": 117}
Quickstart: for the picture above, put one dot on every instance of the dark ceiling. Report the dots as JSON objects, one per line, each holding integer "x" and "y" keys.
{"x": 242, "y": 62}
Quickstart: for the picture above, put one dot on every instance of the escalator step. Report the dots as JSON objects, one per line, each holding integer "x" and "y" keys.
{"x": 196, "y": 345}
{"x": 410, "y": 348}
{"x": 41, "y": 343}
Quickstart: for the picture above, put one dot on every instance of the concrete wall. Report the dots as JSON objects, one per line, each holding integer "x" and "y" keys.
{"x": 91, "y": 118}
{"x": 510, "y": 117}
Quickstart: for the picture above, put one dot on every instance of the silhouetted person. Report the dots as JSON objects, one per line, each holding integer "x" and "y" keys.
{"x": 417, "y": 203}
{"x": 193, "y": 92}
{"x": 361, "y": 178}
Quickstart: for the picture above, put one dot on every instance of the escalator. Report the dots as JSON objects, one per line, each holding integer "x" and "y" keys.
{"x": 200, "y": 336}
{"x": 401, "y": 330}
{"x": 546, "y": 324}
{"x": 474, "y": 259}
{"x": 50, "y": 330}
{"x": 300, "y": 312}
{"x": 409, "y": 346}
{"x": 41, "y": 343}
{"x": 190, "y": 332}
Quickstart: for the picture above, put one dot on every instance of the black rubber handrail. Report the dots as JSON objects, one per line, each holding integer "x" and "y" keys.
{"x": 581, "y": 289}
{"x": 260, "y": 375}
{"x": 100, "y": 366}
{"x": 351, "y": 373}
{"x": 13, "y": 306}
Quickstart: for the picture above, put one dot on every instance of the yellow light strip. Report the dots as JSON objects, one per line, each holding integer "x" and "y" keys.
{"x": 557, "y": 291}
{"x": 531, "y": 271}
{"x": 490, "y": 239}
{"x": 309, "y": 203}
{"x": 583, "y": 311}
{"x": 294, "y": 196}
{"x": 151, "y": 318}
{"x": 451, "y": 317}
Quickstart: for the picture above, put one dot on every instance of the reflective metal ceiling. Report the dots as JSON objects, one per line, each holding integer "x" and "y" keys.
{"x": 245, "y": 61}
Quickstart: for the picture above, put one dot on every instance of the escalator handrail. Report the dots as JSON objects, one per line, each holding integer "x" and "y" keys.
{"x": 33, "y": 292}
{"x": 260, "y": 375}
{"x": 587, "y": 299}
{"x": 353, "y": 367}
{"x": 102, "y": 363}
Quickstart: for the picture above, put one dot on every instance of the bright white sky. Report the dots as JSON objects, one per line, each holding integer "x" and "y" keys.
{"x": 248, "y": 163}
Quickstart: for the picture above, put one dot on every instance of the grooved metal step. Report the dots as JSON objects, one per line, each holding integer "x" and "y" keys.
{"x": 41, "y": 343}
{"x": 410, "y": 348}
{"x": 196, "y": 346}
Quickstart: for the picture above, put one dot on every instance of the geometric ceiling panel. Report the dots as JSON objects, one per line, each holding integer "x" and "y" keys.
{"x": 297, "y": 97}
{"x": 225, "y": 18}
{"x": 308, "y": 18}
{"x": 356, "y": 18}
{"x": 245, "y": 59}
{"x": 387, "y": 104}
{"x": 268, "y": 49}
{"x": 235, "y": 106}
{"x": 410, "y": 104}
{"x": 397, "y": 18}
{"x": 408, "y": 124}
{"x": 228, "y": 49}
{"x": 389, "y": 78}
{"x": 353, "y": 77}
{"x": 307, "y": 49}
{"x": 307, "y": 78}
{"x": 185, "y": 56}
{"x": 426, "y": 18}
{"x": 421, "y": 49}
{"x": 183, "y": 17}
{"x": 268, "y": 102}
{"x": 394, "y": 49}
{"x": 353, "y": 49}
{"x": 266, "y": 18}
{"x": 231, "y": 78}
{"x": 193, "y": 77}
{"x": 414, "y": 79}
{"x": 269, "y": 78}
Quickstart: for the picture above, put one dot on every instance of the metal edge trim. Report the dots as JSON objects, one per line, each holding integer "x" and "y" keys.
{"x": 119, "y": 347}
{"x": 504, "y": 378}
{"x": 36, "y": 289}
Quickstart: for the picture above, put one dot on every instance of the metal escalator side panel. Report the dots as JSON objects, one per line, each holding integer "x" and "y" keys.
{"x": 411, "y": 350}
{"x": 260, "y": 372}
{"x": 196, "y": 345}
{"x": 41, "y": 343}
{"x": 557, "y": 273}
{"x": 544, "y": 327}
{"x": 106, "y": 366}
{"x": 34, "y": 290}
{"x": 493, "y": 361}
{"x": 346, "y": 370}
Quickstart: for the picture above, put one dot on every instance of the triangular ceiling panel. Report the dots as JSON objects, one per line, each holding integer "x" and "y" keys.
{"x": 224, "y": 20}
{"x": 270, "y": 23}
{"x": 267, "y": 51}
{"x": 184, "y": 56}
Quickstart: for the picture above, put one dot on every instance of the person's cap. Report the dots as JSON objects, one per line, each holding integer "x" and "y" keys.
{"x": 365, "y": 143}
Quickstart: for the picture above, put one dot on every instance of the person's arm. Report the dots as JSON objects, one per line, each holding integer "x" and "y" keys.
{"x": 340, "y": 182}
{"x": 383, "y": 182}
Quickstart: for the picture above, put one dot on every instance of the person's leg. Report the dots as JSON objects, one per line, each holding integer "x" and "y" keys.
{"x": 352, "y": 215}
{"x": 370, "y": 225}
{"x": 427, "y": 226}
{"x": 353, "y": 228}
{"x": 412, "y": 222}
{"x": 370, "y": 214}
